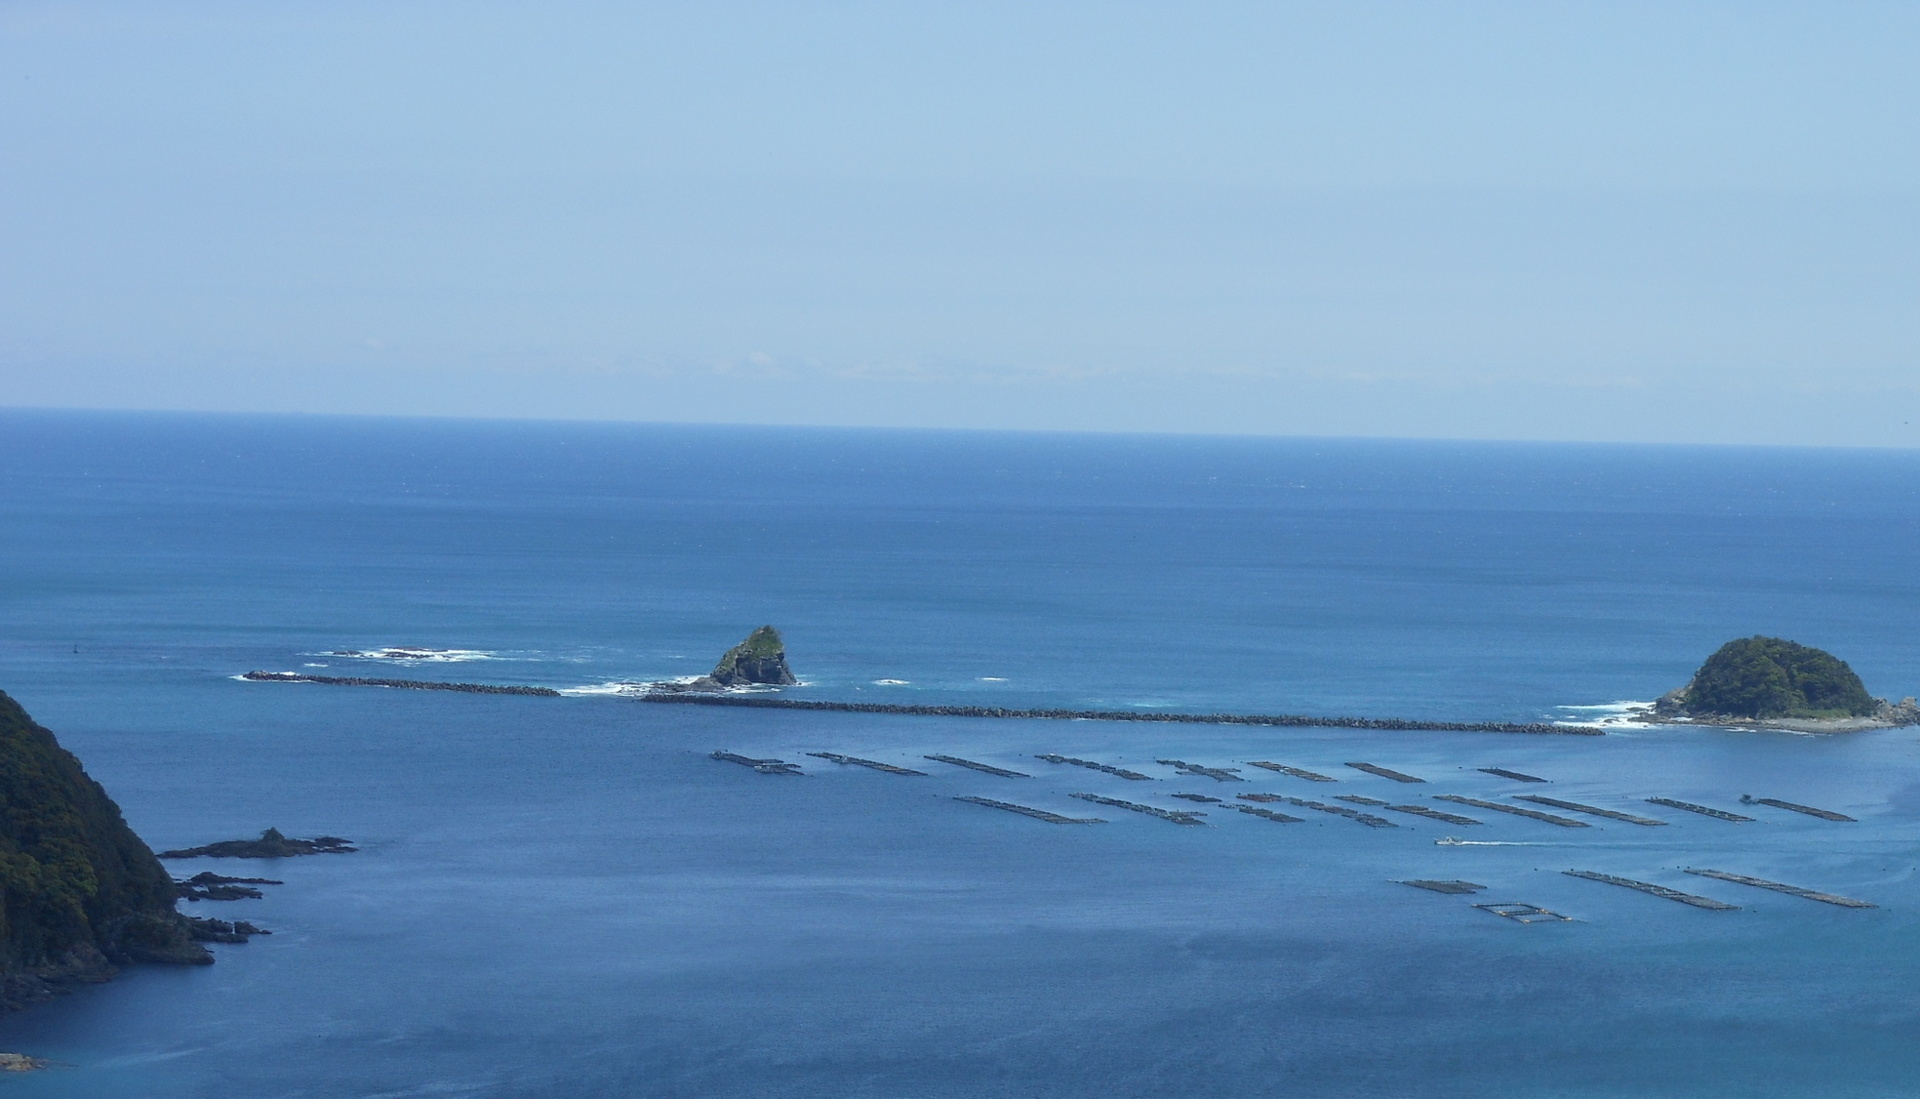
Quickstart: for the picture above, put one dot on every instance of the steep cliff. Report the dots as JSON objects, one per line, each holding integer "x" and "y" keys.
{"x": 78, "y": 890}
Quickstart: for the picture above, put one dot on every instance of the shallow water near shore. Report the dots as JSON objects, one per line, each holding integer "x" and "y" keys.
{"x": 569, "y": 896}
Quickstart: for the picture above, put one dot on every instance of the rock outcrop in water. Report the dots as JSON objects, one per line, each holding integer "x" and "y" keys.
{"x": 270, "y": 845}
{"x": 759, "y": 660}
{"x": 1782, "y": 684}
{"x": 81, "y": 893}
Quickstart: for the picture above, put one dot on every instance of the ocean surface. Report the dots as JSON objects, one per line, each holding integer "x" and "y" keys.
{"x": 570, "y": 897}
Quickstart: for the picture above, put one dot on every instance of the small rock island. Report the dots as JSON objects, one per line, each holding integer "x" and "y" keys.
{"x": 760, "y": 660}
{"x": 1775, "y": 683}
{"x": 271, "y": 845}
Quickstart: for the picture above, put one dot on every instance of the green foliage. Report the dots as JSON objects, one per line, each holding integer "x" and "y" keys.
{"x": 1773, "y": 677}
{"x": 70, "y": 868}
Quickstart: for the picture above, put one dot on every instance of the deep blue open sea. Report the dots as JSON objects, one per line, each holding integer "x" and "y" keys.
{"x": 570, "y": 897}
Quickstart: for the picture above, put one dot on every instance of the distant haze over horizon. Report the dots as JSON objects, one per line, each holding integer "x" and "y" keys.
{"x": 1691, "y": 223}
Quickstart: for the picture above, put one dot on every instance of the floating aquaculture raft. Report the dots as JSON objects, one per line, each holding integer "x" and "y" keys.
{"x": 1367, "y": 819}
{"x": 1762, "y": 883}
{"x": 1091, "y": 765}
{"x": 1195, "y": 770}
{"x": 1531, "y": 814}
{"x": 985, "y": 768}
{"x": 1514, "y": 775}
{"x": 1610, "y": 814}
{"x": 1524, "y": 913}
{"x": 1296, "y": 772}
{"x": 1656, "y": 890}
{"x": 1384, "y": 772}
{"x": 1270, "y": 814}
{"x": 1703, "y": 810}
{"x": 856, "y": 761}
{"x": 1416, "y": 810}
{"x": 1177, "y": 816}
{"x": 764, "y": 766}
{"x": 1444, "y": 886}
{"x": 1823, "y": 814}
{"x": 1029, "y": 811}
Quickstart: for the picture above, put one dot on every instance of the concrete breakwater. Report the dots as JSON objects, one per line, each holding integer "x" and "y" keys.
{"x": 1289, "y": 721}
{"x": 408, "y": 684}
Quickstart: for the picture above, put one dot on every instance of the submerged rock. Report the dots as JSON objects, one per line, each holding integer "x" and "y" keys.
{"x": 208, "y": 930}
{"x": 208, "y": 886}
{"x": 270, "y": 845}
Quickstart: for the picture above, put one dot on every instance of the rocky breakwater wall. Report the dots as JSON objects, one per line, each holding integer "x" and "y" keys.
{"x": 1291, "y": 721}
{"x": 407, "y": 684}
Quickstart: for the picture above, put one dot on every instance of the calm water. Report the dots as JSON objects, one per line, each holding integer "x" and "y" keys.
{"x": 565, "y": 897}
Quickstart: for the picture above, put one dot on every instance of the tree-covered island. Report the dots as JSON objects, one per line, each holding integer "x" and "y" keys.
{"x": 1778, "y": 683}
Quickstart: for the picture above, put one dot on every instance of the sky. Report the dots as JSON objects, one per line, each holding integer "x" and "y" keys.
{"x": 1672, "y": 222}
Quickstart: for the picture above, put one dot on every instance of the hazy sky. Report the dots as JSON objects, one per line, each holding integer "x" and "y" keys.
{"x": 1685, "y": 222}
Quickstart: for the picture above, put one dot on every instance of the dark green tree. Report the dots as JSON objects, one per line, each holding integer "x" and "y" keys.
{"x": 1774, "y": 677}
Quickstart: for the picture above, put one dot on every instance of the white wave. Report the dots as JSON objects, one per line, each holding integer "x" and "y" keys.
{"x": 411, "y": 654}
{"x": 890, "y": 683}
{"x": 617, "y": 687}
{"x": 993, "y": 679}
{"x": 312, "y": 665}
{"x": 1623, "y": 712}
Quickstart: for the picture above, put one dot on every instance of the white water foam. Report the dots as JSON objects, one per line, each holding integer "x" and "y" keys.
{"x": 617, "y": 687}
{"x": 890, "y": 683}
{"x": 993, "y": 679}
{"x": 410, "y": 654}
{"x": 1624, "y": 712}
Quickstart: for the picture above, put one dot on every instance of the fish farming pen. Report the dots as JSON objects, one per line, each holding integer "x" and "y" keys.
{"x": 1177, "y": 816}
{"x": 1367, "y": 819}
{"x": 1779, "y": 887}
{"x": 1198, "y": 797}
{"x": 764, "y": 766}
{"x": 1610, "y": 814}
{"x": 1270, "y": 814}
{"x": 1530, "y": 814}
{"x": 1029, "y": 811}
{"x": 1195, "y": 770}
{"x": 1516, "y": 776}
{"x": 984, "y": 768}
{"x": 856, "y": 761}
{"x": 1823, "y": 814}
{"x": 1657, "y": 890}
{"x": 1703, "y": 810}
{"x": 1453, "y": 887}
{"x": 1384, "y": 772}
{"x": 1416, "y": 810}
{"x": 1524, "y": 913}
{"x": 1122, "y": 772}
{"x": 1296, "y": 772}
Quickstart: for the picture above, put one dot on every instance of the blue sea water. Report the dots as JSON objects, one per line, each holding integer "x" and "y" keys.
{"x": 565, "y": 897}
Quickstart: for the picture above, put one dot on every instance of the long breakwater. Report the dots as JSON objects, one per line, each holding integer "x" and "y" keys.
{"x": 1291, "y": 721}
{"x": 407, "y": 684}
{"x": 760, "y": 702}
